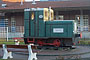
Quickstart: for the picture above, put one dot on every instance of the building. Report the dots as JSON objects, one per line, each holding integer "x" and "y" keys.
{"x": 12, "y": 14}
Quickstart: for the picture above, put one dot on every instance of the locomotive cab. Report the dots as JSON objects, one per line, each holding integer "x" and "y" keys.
{"x": 34, "y": 23}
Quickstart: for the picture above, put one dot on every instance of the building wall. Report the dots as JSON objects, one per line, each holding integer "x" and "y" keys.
{"x": 19, "y": 18}
{"x": 13, "y": 31}
{"x": 70, "y": 15}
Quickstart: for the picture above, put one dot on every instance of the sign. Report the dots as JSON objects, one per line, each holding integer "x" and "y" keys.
{"x": 40, "y": 16}
{"x": 58, "y": 30}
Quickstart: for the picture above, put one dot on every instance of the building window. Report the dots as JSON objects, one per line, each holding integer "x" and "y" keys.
{"x": 61, "y": 17}
{"x": 6, "y": 22}
{"x": 13, "y": 24}
{"x": 3, "y": 22}
{"x": 32, "y": 16}
{"x": 85, "y": 17}
{"x": 84, "y": 22}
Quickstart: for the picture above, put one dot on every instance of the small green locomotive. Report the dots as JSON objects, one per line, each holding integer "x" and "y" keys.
{"x": 40, "y": 28}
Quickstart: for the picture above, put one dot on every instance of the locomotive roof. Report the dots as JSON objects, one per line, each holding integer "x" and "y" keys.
{"x": 60, "y": 22}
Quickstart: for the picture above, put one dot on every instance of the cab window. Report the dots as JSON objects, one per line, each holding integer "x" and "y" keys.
{"x": 32, "y": 16}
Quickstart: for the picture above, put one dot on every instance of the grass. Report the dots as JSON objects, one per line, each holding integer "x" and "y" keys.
{"x": 84, "y": 42}
{"x": 7, "y": 42}
{"x": 3, "y": 59}
{"x": 10, "y": 41}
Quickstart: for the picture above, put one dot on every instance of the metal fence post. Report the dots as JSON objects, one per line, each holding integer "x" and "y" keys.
{"x": 7, "y": 33}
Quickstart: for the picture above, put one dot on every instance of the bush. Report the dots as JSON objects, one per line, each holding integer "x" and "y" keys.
{"x": 84, "y": 42}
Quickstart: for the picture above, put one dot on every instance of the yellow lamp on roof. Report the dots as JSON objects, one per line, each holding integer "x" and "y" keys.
{"x": 45, "y": 14}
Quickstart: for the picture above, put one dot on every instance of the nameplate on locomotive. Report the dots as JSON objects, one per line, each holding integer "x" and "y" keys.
{"x": 58, "y": 30}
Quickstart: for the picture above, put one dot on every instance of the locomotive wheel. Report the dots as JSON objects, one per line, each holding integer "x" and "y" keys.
{"x": 40, "y": 43}
{"x": 56, "y": 43}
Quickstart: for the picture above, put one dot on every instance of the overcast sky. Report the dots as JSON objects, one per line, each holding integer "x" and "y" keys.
{"x": 32, "y": 0}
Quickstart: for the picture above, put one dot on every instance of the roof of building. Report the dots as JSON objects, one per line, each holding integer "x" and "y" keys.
{"x": 53, "y": 4}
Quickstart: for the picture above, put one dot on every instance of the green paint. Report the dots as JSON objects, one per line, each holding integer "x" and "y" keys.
{"x": 34, "y": 27}
{"x": 66, "y": 28}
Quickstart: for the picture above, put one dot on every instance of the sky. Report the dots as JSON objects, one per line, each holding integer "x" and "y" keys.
{"x": 32, "y": 0}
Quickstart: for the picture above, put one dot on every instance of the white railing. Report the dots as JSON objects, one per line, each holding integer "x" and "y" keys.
{"x": 83, "y": 28}
{"x": 85, "y": 31}
{"x": 18, "y": 31}
{"x": 12, "y": 32}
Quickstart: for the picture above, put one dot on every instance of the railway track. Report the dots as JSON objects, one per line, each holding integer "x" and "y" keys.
{"x": 60, "y": 56}
{"x": 76, "y": 56}
{"x": 64, "y": 54}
